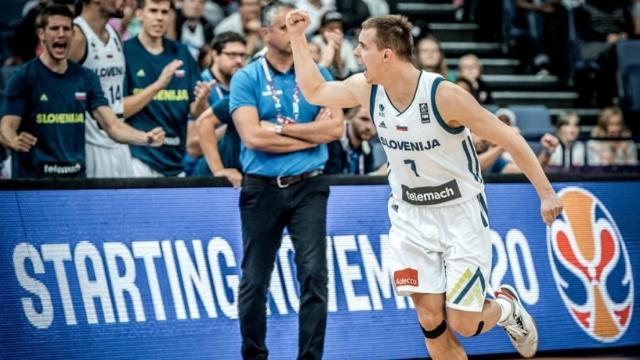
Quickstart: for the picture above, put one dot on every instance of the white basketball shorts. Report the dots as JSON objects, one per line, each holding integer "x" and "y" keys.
{"x": 108, "y": 162}
{"x": 444, "y": 249}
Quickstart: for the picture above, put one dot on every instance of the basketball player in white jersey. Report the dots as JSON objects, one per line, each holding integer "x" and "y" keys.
{"x": 441, "y": 248}
{"x": 97, "y": 46}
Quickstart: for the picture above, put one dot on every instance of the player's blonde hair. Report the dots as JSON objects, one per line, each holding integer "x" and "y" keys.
{"x": 392, "y": 32}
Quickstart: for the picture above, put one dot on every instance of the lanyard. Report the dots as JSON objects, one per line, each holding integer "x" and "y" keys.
{"x": 219, "y": 92}
{"x": 276, "y": 99}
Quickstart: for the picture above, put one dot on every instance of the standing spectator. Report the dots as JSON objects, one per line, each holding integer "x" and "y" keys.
{"x": 359, "y": 152}
{"x": 470, "y": 68}
{"x": 615, "y": 152}
{"x": 191, "y": 27}
{"x": 161, "y": 77}
{"x": 282, "y": 155}
{"x": 431, "y": 56}
{"x": 97, "y": 47}
{"x": 44, "y": 115}
{"x": 129, "y": 25}
{"x": 563, "y": 149}
{"x": 229, "y": 55}
{"x": 600, "y": 26}
{"x": 246, "y": 22}
{"x": 315, "y": 8}
{"x": 335, "y": 47}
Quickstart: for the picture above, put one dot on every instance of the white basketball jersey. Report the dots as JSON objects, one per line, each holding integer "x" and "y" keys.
{"x": 430, "y": 163}
{"x": 107, "y": 61}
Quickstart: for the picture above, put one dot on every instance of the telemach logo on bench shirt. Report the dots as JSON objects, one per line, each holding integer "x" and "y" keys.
{"x": 431, "y": 195}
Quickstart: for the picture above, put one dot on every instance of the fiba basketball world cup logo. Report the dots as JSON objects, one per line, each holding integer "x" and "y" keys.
{"x": 591, "y": 266}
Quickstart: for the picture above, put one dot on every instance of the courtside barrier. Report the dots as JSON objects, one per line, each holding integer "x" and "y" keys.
{"x": 152, "y": 273}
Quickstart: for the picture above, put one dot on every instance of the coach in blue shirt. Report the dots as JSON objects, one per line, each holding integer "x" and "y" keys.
{"x": 282, "y": 156}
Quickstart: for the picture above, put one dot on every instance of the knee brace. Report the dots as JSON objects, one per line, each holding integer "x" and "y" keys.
{"x": 480, "y": 326}
{"x": 435, "y": 333}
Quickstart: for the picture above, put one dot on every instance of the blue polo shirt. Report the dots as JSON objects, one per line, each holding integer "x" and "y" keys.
{"x": 249, "y": 88}
{"x": 217, "y": 91}
{"x": 52, "y": 108}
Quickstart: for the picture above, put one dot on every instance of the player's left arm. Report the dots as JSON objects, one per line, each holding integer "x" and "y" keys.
{"x": 78, "y": 48}
{"x": 124, "y": 133}
{"x": 462, "y": 109}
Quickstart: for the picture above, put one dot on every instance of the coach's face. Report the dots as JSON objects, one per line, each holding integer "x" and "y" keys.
{"x": 154, "y": 17}
{"x": 276, "y": 35}
{"x": 56, "y": 36}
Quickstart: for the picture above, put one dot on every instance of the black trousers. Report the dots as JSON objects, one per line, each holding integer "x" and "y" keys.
{"x": 265, "y": 211}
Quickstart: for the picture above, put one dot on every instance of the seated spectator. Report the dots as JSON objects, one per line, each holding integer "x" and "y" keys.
{"x": 335, "y": 47}
{"x": 315, "y": 8}
{"x": 355, "y": 12}
{"x": 562, "y": 149}
{"x": 600, "y": 25}
{"x": 246, "y": 22}
{"x": 617, "y": 152}
{"x": 467, "y": 85}
{"x": 359, "y": 151}
{"x": 492, "y": 159}
{"x": 377, "y": 7}
{"x": 546, "y": 21}
{"x": 470, "y": 68}
{"x": 316, "y": 53}
{"x": 191, "y": 27}
{"x": 431, "y": 56}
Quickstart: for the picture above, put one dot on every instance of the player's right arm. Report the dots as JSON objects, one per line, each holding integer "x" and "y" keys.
{"x": 348, "y": 93}
{"x": 208, "y": 139}
{"x": 16, "y": 104}
{"x": 9, "y": 137}
{"x": 135, "y": 102}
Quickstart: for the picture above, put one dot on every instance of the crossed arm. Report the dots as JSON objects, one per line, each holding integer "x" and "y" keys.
{"x": 208, "y": 139}
{"x": 256, "y": 137}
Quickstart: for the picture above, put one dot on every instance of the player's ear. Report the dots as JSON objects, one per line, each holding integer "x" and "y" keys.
{"x": 387, "y": 54}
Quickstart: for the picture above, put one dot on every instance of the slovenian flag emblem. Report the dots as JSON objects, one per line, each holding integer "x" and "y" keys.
{"x": 81, "y": 96}
{"x": 179, "y": 73}
{"x": 402, "y": 128}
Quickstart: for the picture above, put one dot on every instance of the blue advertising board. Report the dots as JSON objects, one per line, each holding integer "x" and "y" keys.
{"x": 153, "y": 273}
